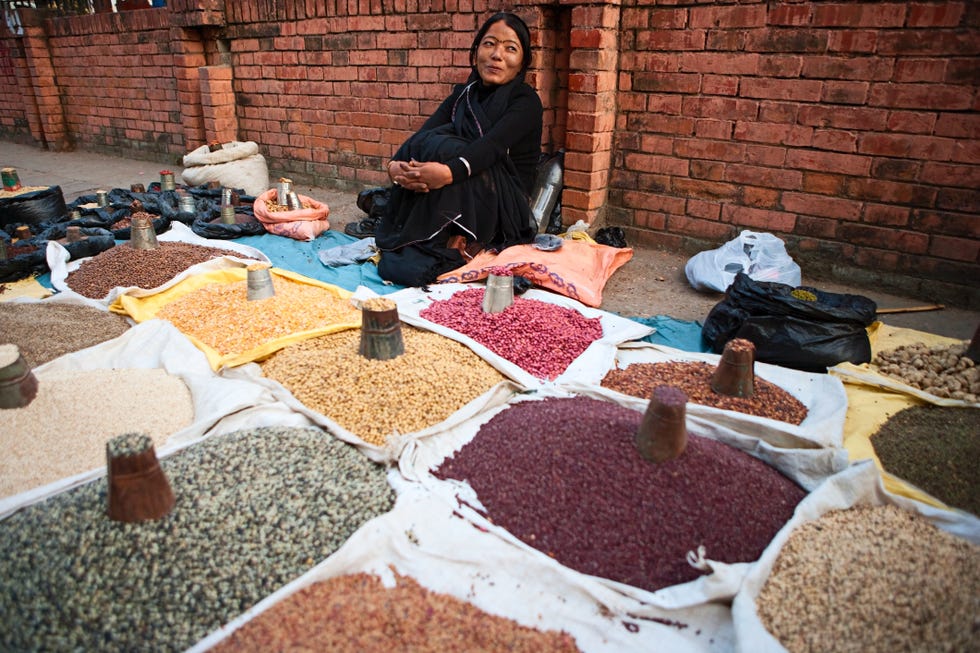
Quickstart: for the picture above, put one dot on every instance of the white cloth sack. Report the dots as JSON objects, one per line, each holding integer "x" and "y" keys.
{"x": 615, "y": 330}
{"x": 220, "y": 405}
{"x": 860, "y": 484}
{"x": 235, "y": 165}
{"x": 823, "y": 395}
{"x": 423, "y": 538}
{"x": 762, "y": 256}
{"x": 807, "y": 467}
{"x": 238, "y": 256}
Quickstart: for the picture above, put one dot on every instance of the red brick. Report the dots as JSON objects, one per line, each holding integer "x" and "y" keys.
{"x": 958, "y": 125}
{"x": 847, "y": 164}
{"x": 853, "y": 15}
{"x": 821, "y": 205}
{"x": 896, "y": 169}
{"x": 887, "y": 215}
{"x": 773, "y": 133}
{"x": 703, "y": 189}
{"x": 942, "y": 174}
{"x": 782, "y": 89}
{"x": 789, "y": 14}
{"x": 765, "y": 155}
{"x": 944, "y": 14}
{"x": 849, "y": 68}
{"x": 709, "y": 149}
{"x": 957, "y": 249}
{"x": 815, "y": 227}
{"x": 670, "y": 40}
{"x": 890, "y": 192}
{"x": 949, "y": 224}
{"x": 761, "y": 198}
{"x": 765, "y": 177}
{"x": 836, "y": 140}
{"x": 656, "y": 164}
{"x": 912, "y": 122}
{"x": 706, "y": 229}
{"x": 899, "y": 145}
{"x": 853, "y": 41}
{"x": 703, "y": 209}
{"x": 728, "y": 17}
{"x": 761, "y": 219}
{"x": 940, "y": 97}
{"x": 727, "y": 63}
{"x": 884, "y": 238}
{"x": 665, "y": 18}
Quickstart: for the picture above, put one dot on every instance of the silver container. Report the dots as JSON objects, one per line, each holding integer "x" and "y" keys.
{"x": 225, "y": 196}
{"x": 283, "y": 188}
{"x": 186, "y": 204}
{"x": 167, "y": 180}
{"x": 142, "y": 235}
{"x": 259, "y": 284}
{"x": 499, "y": 293}
{"x": 102, "y": 198}
{"x": 292, "y": 201}
{"x": 18, "y": 385}
{"x": 227, "y": 214}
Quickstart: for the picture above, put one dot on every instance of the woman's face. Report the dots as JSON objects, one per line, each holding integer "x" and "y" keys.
{"x": 499, "y": 55}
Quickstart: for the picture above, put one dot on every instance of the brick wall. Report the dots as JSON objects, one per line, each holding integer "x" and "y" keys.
{"x": 850, "y": 129}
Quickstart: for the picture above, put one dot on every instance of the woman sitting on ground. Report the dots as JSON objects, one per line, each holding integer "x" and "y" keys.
{"x": 462, "y": 182}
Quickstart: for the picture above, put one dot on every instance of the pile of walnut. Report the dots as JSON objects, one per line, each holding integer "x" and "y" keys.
{"x": 942, "y": 371}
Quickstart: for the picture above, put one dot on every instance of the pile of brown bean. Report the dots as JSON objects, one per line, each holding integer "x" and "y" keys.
{"x": 221, "y": 316}
{"x": 254, "y": 510}
{"x": 124, "y": 266}
{"x": 357, "y": 612}
{"x": 541, "y": 338}
{"x": 564, "y": 476}
{"x": 46, "y": 330}
{"x": 435, "y": 377}
{"x": 873, "y": 579}
{"x": 940, "y": 370}
{"x": 64, "y": 430}
{"x": 694, "y": 378}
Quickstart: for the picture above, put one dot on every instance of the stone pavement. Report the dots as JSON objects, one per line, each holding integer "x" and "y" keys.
{"x": 651, "y": 283}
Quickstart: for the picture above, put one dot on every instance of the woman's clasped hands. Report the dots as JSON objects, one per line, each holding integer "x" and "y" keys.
{"x": 420, "y": 177}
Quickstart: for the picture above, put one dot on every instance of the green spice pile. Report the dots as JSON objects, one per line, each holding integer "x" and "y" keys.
{"x": 936, "y": 448}
{"x": 255, "y": 509}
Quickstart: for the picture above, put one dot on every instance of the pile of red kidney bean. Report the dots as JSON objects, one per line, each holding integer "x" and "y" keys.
{"x": 539, "y": 337}
{"x": 564, "y": 476}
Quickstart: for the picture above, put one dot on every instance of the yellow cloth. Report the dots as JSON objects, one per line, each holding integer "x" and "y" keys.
{"x": 23, "y": 288}
{"x": 869, "y": 405}
{"x": 146, "y": 308}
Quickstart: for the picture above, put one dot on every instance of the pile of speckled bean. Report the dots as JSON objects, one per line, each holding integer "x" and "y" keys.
{"x": 357, "y": 612}
{"x": 941, "y": 370}
{"x": 63, "y": 431}
{"x": 221, "y": 316}
{"x": 44, "y": 331}
{"x": 254, "y": 510}
{"x": 694, "y": 378}
{"x": 539, "y": 337}
{"x": 873, "y": 579}
{"x": 564, "y": 476}
{"x": 435, "y": 377}
{"x": 124, "y": 266}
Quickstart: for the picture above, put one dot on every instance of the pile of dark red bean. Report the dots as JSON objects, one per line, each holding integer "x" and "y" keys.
{"x": 541, "y": 338}
{"x": 564, "y": 476}
{"x": 694, "y": 378}
{"x": 124, "y": 266}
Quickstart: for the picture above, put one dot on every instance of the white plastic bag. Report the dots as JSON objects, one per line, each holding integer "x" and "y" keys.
{"x": 762, "y": 256}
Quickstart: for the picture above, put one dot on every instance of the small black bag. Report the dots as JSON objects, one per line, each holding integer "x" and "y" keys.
{"x": 802, "y": 334}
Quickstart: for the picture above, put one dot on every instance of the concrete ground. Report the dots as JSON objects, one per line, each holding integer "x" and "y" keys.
{"x": 651, "y": 283}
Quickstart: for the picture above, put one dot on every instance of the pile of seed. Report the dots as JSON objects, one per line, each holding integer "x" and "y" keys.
{"x": 254, "y": 510}
{"x": 64, "y": 431}
{"x": 434, "y": 378}
{"x": 940, "y": 370}
{"x": 4, "y": 194}
{"x": 358, "y": 613}
{"x": 273, "y": 206}
{"x": 694, "y": 378}
{"x": 937, "y": 449}
{"x": 565, "y": 476}
{"x": 44, "y": 330}
{"x": 873, "y": 579}
{"x": 125, "y": 266}
{"x": 221, "y": 316}
{"x": 539, "y": 337}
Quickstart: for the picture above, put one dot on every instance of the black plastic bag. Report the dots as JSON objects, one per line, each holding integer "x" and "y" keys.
{"x": 95, "y": 240}
{"x": 215, "y": 228}
{"x": 25, "y": 258}
{"x": 45, "y": 205}
{"x": 802, "y": 334}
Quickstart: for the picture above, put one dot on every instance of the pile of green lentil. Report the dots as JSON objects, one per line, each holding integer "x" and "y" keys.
{"x": 254, "y": 510}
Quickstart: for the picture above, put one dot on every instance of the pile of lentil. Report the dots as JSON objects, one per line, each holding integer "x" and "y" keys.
{"x": 940, "y": 370}
{"x": 254, "y": 509}
{"x": 357, "y": 612}
{"x": 937, "y": 449}
{"x": 46, "y": 330}
{"x": 564, "y": 476}
{"x": 64, "y": 430}
{"x": 873, "y": 579}
{"x": 124, "y": 266}
{"x": 541, "y": 338}
{"x": 434, "y": 378}
{"x": 694, "y": 378}
{"x": 221, "y": 316}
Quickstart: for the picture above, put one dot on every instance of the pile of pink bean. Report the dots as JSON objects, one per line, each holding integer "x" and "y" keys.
{"x": 539, "y": 337}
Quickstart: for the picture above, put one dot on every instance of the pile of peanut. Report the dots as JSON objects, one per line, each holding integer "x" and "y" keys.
{"x": 940, "y": 370}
